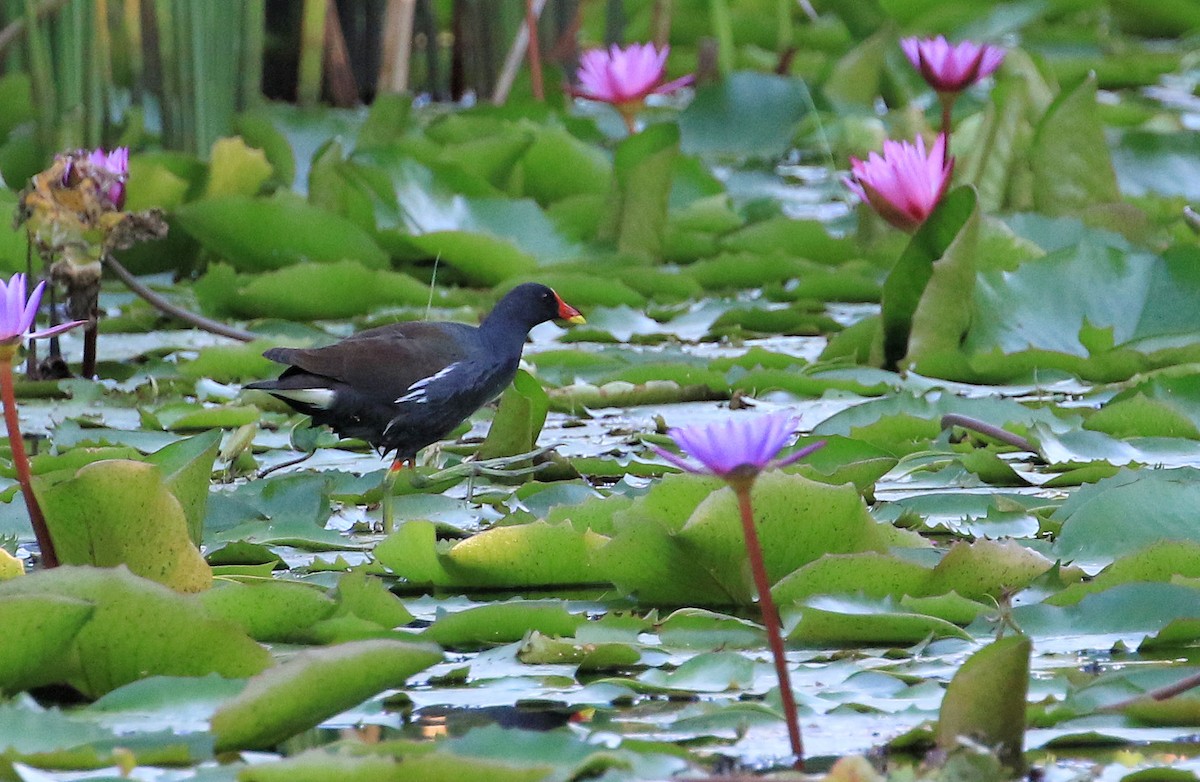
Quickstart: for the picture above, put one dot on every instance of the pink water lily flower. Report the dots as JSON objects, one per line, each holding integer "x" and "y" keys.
{"x": 111, "y": 169}
{"x": 115, "y": 162}
{"x": 737, "y": 447}
{"x": 950, "y": 67}
{"x": 624, "y": 77}
{"x": 18, "y": 313}
{"x": 904, "y": 184}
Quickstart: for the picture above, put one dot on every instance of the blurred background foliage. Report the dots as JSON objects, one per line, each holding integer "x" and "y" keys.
{"x": 340, "y": 113}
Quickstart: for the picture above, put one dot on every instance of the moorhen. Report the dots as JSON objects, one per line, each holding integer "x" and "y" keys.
{"x": 403, "y": 386}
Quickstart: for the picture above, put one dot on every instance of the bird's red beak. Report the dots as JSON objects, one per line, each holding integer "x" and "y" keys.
{"x": 567, "y": 312}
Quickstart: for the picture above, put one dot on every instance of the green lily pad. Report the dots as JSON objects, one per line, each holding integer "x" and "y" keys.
{"x": 267, "y": 609}
{"x": 1127, "y": 512}
{"x": 500, "y": 623}
{"x": 703, "y": 561}
{"x": 985, "y": 701}
{"x": 637, "y": 205}
{"x": 232, "y": 227}
{"x": 46, "y": 625}
{"x": 122, "y": 512}
{"x": 139, "y": 628}
{"x": 830, "y": 621}
{"x": 714, "y": 123}
{"x": 313, "y": 685}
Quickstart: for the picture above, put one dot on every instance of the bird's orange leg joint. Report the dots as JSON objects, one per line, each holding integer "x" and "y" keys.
{"x": 400, "y": 464}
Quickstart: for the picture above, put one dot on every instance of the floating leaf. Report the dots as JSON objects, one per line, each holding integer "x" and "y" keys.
{"x": 187, "y": 471}
{"x": 233, "y": 227}
{"x": 268, "y": 610}
{"x": 1129, "y": 511}
{"x": 139, "y": 628}
{"x": 1071, "y": 165}
{"x": 519, "y": 419}
{"x": 122, "y": 512}
{"x": 313, "y": 685}
{"x": 826, "y": 621}
{"x": 926, "y": 297}
{"x": 500, "y": 623}
{"x": 985, "y": 701}
{"x": 235, "y": 169}
{"x": 42, "y": 627}
{"x": 714, "y": 123}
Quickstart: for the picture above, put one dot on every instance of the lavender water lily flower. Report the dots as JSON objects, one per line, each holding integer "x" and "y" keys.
{"x": 18, "y": 313}
{"x": 904, "y": 184}
{"x": 624, "y": 78}
{"x": 737, "y": 450}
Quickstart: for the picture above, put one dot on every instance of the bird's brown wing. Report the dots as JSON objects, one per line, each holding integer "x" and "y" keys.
{"x": 382, "y": 361}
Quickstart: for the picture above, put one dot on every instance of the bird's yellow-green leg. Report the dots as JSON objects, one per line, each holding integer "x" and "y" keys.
{"x": 389, "y": 486}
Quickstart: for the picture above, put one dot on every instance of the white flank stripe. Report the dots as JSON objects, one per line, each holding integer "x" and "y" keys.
{"x": 417, "y": 391}
{"x": 320, "y": 398}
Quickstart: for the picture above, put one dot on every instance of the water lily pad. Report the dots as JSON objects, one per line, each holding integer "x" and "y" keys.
{"x": 826, "y": 621}
{"x": 235, "y": 169}
{"x": 985, "y": 700}
{"x": 232, "y": 227}
{"x": 138, "y": 628}
{"x": 308, "y": 291}
{"x": 553, "y": 151}
{"x": 870, "y": 573}
{"x": 1072, "y": 168}
{"x": 1129, "y": 511}
{"x": 46, "y": 625}
{"x": 187, "y": 471}
{"x": 637, "y": 205}
{"x": 714, "y": 123}
{"x": 122, "y": 512}
{"x": 313, "y": 685}
{"x": 366, "y": 597}
{"x": 703, "y": 561}
{"x": 268, "y": 610}
{"x": 1163, "y": 561}
{"x": 500, "y": 623}
{"x": 1125, "y": 613}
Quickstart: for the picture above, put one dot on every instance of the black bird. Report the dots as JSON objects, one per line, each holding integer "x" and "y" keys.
{"x": 403, "y": 386}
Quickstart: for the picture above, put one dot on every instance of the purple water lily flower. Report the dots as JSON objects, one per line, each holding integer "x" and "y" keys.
{"x": 904, "y": 184}
{"x": 949, "y": 68}
{"x": 18, "y": 313}
{"x": 737, "y": 447}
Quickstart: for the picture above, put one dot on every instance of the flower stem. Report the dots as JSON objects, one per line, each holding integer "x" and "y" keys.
{"x": 21, "y": 463}
{"x": 947, "y": 101}
{"x": 770, "y": 618}
{"x": 630, "y": 118}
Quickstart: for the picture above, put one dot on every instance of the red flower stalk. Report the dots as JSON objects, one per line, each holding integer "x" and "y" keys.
{"x": 16, "y": 317}
{"x": 737, "y": 451}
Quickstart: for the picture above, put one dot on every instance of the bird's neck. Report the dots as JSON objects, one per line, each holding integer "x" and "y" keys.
{"x": 504, "y": 330}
